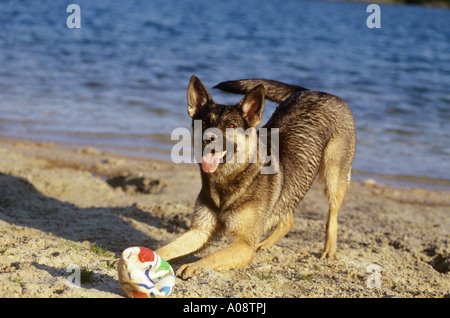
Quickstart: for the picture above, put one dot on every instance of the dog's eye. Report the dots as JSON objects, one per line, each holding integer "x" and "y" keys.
{"x": 230, "y": 125}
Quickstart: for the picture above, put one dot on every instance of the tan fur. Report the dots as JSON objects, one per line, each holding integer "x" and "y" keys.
{"x": 334, "y": 173}
{"x": 192, "y": 240}
{"x": 283, "y": 228}
{"x": 239, "y": 254}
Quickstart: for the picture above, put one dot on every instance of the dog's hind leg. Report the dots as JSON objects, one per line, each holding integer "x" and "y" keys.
{"x": 283, "y": 228}
{"x": 334, "y": 172}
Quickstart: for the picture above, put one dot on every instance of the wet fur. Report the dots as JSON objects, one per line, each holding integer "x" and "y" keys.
{"x": 316, "y": 137}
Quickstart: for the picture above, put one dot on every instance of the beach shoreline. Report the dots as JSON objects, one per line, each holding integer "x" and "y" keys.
{"x": 163, "y": 154}
{"x": 62, "y": 204}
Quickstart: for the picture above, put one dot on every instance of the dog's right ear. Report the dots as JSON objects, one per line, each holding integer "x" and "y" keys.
{"x": 197, "y": 96}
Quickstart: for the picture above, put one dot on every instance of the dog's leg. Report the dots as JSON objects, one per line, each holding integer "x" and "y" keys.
{"x": 283, "y": 228}
{"x": 243, "y": 226}
{"x": 335, "y": 174}
{"x": 330, "y": 248}
{"x": 239, "y": 254}
{"x": 336, "y": 192}
{"x": 203, "y": 228}
{"x": 189, "y": 242}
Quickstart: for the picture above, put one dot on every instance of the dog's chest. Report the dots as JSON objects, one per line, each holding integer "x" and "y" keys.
{"x": 220, "y": 195}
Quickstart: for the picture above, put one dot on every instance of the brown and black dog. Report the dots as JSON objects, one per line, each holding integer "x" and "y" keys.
{"x": 315, "y": 136}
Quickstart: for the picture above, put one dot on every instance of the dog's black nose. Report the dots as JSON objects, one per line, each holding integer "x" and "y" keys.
{"x": 210, "y": 135}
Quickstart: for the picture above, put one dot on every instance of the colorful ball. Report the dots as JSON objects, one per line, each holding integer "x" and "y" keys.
{"x": 143, "y": 274}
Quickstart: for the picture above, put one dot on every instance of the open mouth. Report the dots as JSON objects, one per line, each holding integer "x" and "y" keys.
{"x": 210, "y": 161}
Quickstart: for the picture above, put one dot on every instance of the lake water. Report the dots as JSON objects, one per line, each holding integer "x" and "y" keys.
{"x": 120, "y": 80}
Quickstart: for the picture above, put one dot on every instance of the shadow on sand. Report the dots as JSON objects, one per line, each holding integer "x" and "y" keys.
{"x": 111, "y": 228}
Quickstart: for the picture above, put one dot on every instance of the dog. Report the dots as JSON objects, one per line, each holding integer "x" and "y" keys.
{"x": 316, "y": 137}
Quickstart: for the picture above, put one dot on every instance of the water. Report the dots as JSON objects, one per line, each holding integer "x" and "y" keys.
{"x": 121, "y": 79}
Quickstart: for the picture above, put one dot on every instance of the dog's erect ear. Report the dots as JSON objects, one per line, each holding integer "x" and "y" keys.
{"x": 197, "y": 96}
{"x": 252, "y": 105}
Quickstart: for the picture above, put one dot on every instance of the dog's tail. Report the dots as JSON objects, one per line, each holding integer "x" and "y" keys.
{"x": 274, "y": 91}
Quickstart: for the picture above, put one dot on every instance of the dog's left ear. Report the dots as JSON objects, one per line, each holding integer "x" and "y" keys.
{"x": 252, "y": 105}
{"x": 197, "y": 96}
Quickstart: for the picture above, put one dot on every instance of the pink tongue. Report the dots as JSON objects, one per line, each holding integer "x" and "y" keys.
{"x": 210, "y": 162}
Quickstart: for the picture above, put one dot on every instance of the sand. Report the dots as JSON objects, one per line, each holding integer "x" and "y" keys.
{"x": 64, "y": 207}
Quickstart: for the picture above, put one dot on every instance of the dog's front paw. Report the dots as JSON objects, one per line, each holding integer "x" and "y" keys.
{"x": 189, "y": 270}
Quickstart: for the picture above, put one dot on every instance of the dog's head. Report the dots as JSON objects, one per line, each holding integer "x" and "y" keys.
{"x": 224, "y": 127}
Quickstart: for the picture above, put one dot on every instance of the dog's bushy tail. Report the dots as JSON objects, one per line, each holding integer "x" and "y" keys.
{"x": 274, "y": 91}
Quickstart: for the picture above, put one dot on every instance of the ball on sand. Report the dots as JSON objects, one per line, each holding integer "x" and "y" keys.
{"x": 143, "y": 274}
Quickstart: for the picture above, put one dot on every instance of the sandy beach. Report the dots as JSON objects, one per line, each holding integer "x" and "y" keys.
{"x": 62, "y": 206}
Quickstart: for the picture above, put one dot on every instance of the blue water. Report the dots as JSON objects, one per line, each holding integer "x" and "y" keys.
{"x": 121, "y": 79}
